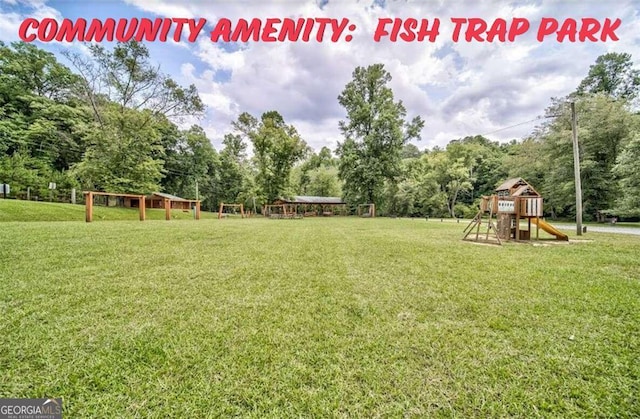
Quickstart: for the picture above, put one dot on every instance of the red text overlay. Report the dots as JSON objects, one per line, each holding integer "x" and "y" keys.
{"x": 314, "y": 29}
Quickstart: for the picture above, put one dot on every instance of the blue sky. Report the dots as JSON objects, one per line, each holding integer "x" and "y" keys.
{"x": 458, "y": 88}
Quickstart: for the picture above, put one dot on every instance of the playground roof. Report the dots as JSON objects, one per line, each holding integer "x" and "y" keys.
{"x": 510, "y": 183}
{"x": 328, "y": 200}
{"x": 526, "y": 190}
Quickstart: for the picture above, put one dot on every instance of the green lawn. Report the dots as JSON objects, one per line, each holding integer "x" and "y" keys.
{"x": 320, "y": 317}
{"x": 15, "y": 210}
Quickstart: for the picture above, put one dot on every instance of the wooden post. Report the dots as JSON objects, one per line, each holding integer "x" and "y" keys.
{"x": 537, "y": 228}
{"x": 167, "y": 209}
{"x": 576, "y": 169}
{"x": 142, "y": 205}
{"x": 197, "y": 210}
{"x": 516, "y": 206}
{"x": 220, "y": 210}
{"x": 88, "y": 206}
{"x": 242, "y": 210}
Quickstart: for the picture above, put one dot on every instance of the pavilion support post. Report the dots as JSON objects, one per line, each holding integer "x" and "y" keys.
{"x": 88, "y": 206}
{"x": 167, "y": 209}
{"x": 143, "y": 207}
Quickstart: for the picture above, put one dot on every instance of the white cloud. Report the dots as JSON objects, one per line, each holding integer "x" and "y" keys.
{"x": 10, "y": 21}
{"x": 460, "y": 89}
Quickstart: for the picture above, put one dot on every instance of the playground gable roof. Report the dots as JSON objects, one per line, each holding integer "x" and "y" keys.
{"x": 510, "y": 183}
{"x": 526, "y": 190}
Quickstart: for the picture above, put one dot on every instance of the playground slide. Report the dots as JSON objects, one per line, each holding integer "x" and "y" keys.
{"x": 550, "y": 229}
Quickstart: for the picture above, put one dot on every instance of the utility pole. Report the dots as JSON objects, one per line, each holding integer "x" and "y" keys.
{"x": 197, "y": 195}
{"x": 576, "y": 169}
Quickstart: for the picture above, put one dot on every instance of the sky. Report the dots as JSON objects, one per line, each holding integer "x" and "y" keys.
{"x": 498, "y": 89}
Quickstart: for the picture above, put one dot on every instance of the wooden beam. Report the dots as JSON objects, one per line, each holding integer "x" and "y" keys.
{"x": 167, "y": 209}
{"x": 88, "y": 206}
{"x": 123, "y": 195}
{"x": 197, "y": 210}
{"x": 143, "y": 207}
{"x": 516, "y": 205}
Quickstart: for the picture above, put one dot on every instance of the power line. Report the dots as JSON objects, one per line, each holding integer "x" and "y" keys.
{"x": 514, "y": 125}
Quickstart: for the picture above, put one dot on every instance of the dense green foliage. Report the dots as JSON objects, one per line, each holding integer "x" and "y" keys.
{"x": 115, "y": 123}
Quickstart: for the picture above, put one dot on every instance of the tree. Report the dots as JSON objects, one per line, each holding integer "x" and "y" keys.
{"x": 410, "y": 151}
{"x": 483, "y": 159}
{"x": 233, "y": 175}
{"x": 418, "y": 192}
{"x": 132, "y": 103}
{"x": 27, "y": 68}
{"x": 43, "y": 127}
{"x": 302, "y": 173}
{"x": 191, "y": 161}
{"x": 121, "y": 155}
{"x": 452, "y": 176}
{"x": 627, "y": 168}
{"x": 277, "y": 147}
{"x": 324, "y": 181}
{"x": 612, "y": 74}
{"x": 374, "y": 131}
{"x": 526, "y": 159}
{"x": 127, "y": 77}
{"x": 604, "y": 128}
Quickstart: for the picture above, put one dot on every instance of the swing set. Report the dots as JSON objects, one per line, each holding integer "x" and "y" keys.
{"x": 367, "y": 210}
{"x": 234, "y": 208}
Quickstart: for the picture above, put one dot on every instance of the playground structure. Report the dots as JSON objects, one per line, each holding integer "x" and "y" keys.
{"x": 514, "y": 201}
{"x": 142, "y": 202}
{"x": 309, "y": 206}
{"x": 279, "y": 211}
{"x": 235, "y": 207}
{"x": 367, "y": 210}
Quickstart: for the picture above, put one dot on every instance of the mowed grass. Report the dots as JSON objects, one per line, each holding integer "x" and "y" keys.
{"x": 16, "y": 210}
{"x": 329, "y": 317}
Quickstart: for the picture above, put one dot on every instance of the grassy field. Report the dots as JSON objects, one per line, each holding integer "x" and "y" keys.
{"x": 16, "y": 210}
{"x": 316, "y": 317}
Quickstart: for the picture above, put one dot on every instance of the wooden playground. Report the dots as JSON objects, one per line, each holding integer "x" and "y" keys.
{"x": 515, "y": 201}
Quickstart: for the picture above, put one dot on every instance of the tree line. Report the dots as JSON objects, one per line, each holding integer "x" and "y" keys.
{"x": 110, "y": 121}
